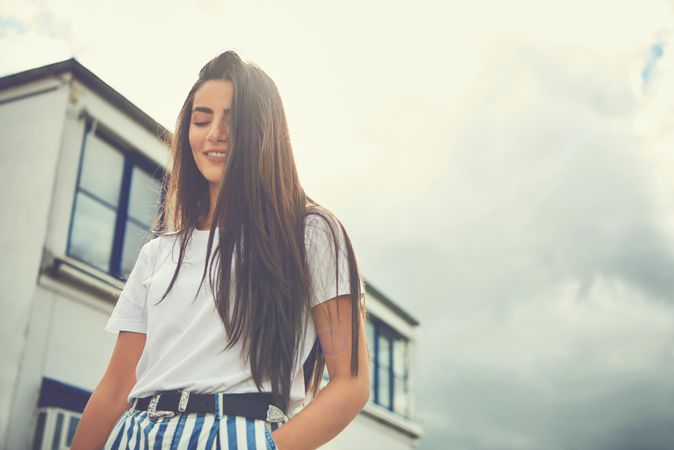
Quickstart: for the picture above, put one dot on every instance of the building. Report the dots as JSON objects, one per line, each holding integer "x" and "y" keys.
{"x": 81, "y": 172}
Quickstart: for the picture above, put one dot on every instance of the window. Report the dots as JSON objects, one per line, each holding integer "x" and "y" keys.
{"x": 389, "y": 363}
{"x": 399, "y": 376}
{"x": 116, "y": 200}
{"x": 369, "y": 331}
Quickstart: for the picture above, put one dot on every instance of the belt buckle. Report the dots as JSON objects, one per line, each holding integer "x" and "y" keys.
{"x": 184, "y": 397}
{"x": 152, "y": 409}
{"x": 274, "y": 414}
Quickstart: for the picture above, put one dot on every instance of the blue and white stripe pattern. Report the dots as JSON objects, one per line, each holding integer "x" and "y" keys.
{"x": 134, "y": 430}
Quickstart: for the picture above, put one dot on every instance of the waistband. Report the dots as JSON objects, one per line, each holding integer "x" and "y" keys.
{"x": 256, "y": 405}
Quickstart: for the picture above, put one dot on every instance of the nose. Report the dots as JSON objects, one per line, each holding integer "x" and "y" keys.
{"x": 219, "y": 131}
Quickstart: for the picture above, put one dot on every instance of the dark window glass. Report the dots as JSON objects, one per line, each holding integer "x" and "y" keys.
{"x": 400, "y": 365}
{"x": 92, "y": 232}
{"x": 135, "y": 236}
{"x": 102, "y": 167}
{"x": 384, "y": 383}
{"x": 72, "y": 426}
{"x": 143, "y": 202}
{"x": 400, "y": 399}
{"x": 39, "y": 430}
{"x": 390, "y": 366}
{"x": 116, "y": 201}
{"x": 384, "y": 351}
{"x": 143, "y": 196}
{"x": 58, "y": 429}
{"x": 369, "y": 330}
{"x": 384, "y": 369}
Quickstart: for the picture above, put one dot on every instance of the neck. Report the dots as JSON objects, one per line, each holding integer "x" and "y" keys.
{"x": 213, "y": 196}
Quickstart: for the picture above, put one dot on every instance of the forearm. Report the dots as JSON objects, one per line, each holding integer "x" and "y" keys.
{"x": 99, "y": 416}
{"x": 335, "y": 406}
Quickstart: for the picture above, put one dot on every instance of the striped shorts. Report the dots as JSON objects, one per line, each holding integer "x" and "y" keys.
{"x": 134, "y": 430}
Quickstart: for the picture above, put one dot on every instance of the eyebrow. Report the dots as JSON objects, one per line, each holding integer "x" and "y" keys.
{"x": 207, "y": 110}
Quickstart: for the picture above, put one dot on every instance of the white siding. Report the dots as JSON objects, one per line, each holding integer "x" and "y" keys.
{"x": 29, "y": 151}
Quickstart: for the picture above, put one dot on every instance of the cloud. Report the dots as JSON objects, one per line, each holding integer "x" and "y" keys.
{"x": 503, "y": 170}
{"x": 561, "y": 369}
{"x": 551, "y": 320}
{"x": 31, "y": 37}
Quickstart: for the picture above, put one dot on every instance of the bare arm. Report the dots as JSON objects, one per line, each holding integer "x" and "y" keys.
{"x": 340, "y": 401}
{"x": 108, "y": 401}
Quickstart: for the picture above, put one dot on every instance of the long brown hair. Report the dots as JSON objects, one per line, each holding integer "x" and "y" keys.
{"x": 260, "y": 213}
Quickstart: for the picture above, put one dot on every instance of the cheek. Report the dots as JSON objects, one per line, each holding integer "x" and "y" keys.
{"x": 195, "y": 139}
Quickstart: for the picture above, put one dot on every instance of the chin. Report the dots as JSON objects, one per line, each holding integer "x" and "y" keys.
{"x": 214, "y": 178}
{"x": 213, "y": 173}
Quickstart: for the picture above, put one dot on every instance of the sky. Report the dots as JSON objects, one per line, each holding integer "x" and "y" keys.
{"x": 505, "y": 171}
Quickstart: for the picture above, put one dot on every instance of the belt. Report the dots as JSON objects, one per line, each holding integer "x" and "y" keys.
{"x": 256, "y": 405}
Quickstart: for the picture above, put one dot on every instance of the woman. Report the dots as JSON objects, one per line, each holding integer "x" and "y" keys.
{"x": 222, "y": 352}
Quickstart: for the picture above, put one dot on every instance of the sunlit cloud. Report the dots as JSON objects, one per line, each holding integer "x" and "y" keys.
{"x": 504, "y": 169}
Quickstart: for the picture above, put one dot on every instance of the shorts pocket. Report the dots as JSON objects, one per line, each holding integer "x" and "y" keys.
{"x": 267, "y": 433}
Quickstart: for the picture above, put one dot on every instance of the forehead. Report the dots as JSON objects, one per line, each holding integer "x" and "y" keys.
{"x": 214, "y": 93}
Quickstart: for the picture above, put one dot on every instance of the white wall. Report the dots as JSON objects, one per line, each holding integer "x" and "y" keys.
{"x": 60, "y": 325}
{"x": 67, "y": 343}
{"x": 365, "y": 433}
{"x": 29, "y": 149}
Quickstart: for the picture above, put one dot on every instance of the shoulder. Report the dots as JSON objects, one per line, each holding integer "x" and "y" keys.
{"x": 324, "y": 230}
{"x": 321, "y": 221}
{"x": 161, "y": 238}
{"x": 149, "y": 250}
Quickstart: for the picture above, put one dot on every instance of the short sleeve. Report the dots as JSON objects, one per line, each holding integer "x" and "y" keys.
{"x": 320, "y": 249}
{"x": 130, "y": 312}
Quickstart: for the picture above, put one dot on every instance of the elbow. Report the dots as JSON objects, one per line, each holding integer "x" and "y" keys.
{"x": 356, "y": 390}
{"x": 366, "y": 397}
{"x": 364, "y": 393}
{"x": 364, "y": 387}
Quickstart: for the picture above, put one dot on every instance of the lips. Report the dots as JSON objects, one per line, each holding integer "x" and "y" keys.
{"x": 214, "y": 158}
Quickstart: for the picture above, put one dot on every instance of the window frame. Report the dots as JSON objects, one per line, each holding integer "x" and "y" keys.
{"x": 132, "y": 158}
{"x": 384, "y": 331}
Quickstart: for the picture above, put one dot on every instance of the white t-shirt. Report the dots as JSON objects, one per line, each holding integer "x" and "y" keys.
{"x": 184, "y": 339}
